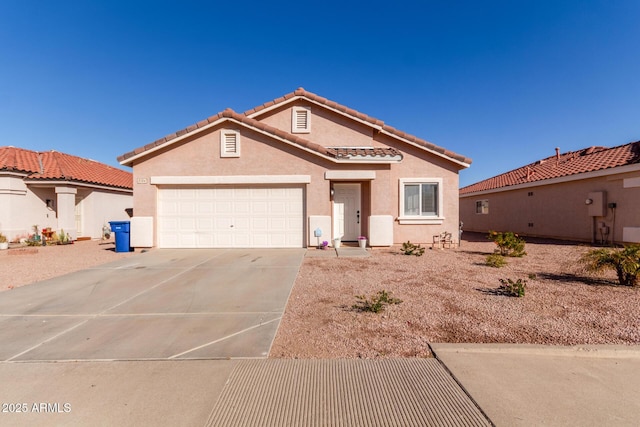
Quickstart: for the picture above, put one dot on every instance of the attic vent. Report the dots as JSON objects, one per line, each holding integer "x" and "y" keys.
{"x": 301, "y": 120}
{"x": 229, "y": 143}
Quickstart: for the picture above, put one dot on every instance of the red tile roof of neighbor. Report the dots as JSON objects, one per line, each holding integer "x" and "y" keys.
{"x": 56, "y": 166}
{"x": 560, "y": 165}
{"x": 300, "y": 92}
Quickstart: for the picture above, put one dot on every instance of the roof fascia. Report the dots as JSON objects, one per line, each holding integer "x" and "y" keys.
{"x": 16, "y": 174}
{"x": 49, "y": 183}
{"x": 428, "y": 150}
{"x": 129, "y": 161}
{"x": 575, "y": 177}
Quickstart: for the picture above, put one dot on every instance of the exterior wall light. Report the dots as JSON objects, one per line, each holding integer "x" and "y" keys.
{"x": 588, "y": 201}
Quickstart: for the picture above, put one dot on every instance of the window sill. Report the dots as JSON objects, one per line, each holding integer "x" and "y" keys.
{"x": 417, "y": 220}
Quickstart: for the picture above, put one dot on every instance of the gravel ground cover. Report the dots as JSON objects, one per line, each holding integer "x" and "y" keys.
{"x": 450, "y": 295}
{"x": 22, "y": 265}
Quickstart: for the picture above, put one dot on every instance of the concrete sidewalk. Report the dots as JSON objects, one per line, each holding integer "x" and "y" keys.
{"x": 511, "y": 385}
{"x": 525, "y": 385}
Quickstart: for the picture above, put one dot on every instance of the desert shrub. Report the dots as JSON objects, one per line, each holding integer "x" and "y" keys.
{"x": 3, "y": 238}
{"x": 511, "y": 288}
{"x": 496, "y": 260}
{"x": 509, "y": 244}
{"x": 409, "y": 248}
{"x": 625, "y": 262}
{"x": 376, "y": 303}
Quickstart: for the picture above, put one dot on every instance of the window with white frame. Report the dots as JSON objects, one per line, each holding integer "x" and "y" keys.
{"x": 300, "y": 120}
{"x": 482, "y": 207}
{"x": 421, "y": 201}
{"x": 229, "y": 143}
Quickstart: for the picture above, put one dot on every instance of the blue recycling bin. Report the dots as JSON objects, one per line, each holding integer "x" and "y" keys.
{"x": 121, "y": 230}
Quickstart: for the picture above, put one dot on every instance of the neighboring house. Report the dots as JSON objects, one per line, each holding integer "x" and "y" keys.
{"x": 272, "y": 176}
{"x": 590, "y": 195}
{"x": 61, "y": 191}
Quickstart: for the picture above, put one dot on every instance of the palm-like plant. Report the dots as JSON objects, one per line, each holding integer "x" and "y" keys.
{"x": 625, "y": 262}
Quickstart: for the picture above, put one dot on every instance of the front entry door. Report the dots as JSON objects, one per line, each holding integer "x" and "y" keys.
{"x": 346, "y": 211}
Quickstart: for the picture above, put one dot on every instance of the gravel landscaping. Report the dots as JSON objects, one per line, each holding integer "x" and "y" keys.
{"x": 450, "y": 295}
{"x": 22, "y": 265}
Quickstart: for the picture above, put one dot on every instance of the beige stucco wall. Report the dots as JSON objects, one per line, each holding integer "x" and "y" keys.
{"x": 23, "y": 206}
{"x": 556, "y": 211}
{"x": 199, "y": 155}
{"x": 100, "y": 207}
{"x": 327, "y": 128}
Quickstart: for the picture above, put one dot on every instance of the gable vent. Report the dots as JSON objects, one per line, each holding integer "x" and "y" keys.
{"x": 229, "y": 143}
{"x": 301, "y": 120}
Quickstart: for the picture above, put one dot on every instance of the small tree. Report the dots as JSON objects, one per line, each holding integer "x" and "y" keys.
{"x": 625, "y": 262}
{"x": 509, "y": 244}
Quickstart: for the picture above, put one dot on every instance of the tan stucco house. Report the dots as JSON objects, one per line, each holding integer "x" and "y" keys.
{"x": 590, "y": 195}
{"x": 60, "y": 191}
{"x": 274, "y": 175}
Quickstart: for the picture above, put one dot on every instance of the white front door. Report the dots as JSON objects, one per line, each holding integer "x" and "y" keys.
{"x": 346, "y": 211}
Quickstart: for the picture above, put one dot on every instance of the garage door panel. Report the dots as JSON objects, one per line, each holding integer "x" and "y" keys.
{"x": 230, "y": 217}
{"x": 223, "y": 207}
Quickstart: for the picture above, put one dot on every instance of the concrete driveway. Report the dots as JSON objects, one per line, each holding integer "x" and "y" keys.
{"x": 163, "y": 304}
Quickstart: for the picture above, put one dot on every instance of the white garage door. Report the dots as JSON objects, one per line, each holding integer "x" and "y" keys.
{"x": 230, "y": 217}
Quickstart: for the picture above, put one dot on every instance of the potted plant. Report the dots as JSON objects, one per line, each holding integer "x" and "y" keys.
{"x": 336, "y": 242}
{"x": 362, "y": 241}
{"x": 4, "y": 244}
{"x": 324, "y": 244}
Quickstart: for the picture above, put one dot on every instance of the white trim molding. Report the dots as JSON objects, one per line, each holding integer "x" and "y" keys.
{"x": 421, "y": 219}
{"x": 631, "y": 182}
{"x": 350, "y": 175}
{"x": 231, "y": 179}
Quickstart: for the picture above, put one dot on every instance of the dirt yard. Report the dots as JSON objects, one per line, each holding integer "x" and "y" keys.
{"x": 450, "y": 296}
{"x": 23, "y": 265}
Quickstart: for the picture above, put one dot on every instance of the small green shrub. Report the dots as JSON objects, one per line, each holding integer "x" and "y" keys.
{"x": 509, "y": 244}
{"x": 376, "y": 303}
{"x": 511, "y": 288}
{"x": 3, "y": 238}
{"x": 496, "y": 260}
{"x": 625, "y": 262}
{"x": 409, "y": 248}
{"x": 533, "y": 276}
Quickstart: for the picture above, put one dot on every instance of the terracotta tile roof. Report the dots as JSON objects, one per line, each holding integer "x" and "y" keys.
{"x": 570, "y": 163}
{"x": 53, "y": 165}
{"x": 230, "y": 114}
{"x": 250, "y": 121}
{"x": 342, "y": 152}
{"x": 354, "y": 113}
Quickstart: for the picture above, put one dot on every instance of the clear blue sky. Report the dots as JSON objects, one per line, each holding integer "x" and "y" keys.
{"x": 502, "y": 82}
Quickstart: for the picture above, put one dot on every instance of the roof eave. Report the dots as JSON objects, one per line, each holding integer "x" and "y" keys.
{"x": 129, "y": 160}
{"x": 57, "y": 181}
{"x": 568, "y": 178}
